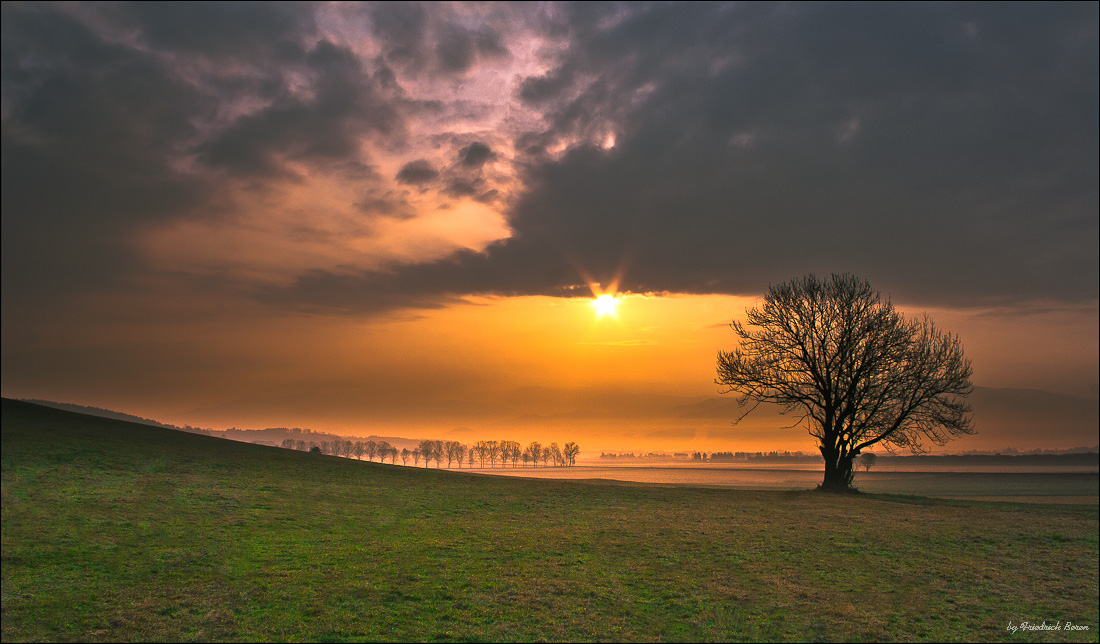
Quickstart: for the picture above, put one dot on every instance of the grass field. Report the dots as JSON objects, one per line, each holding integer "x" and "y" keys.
{"x": 113, "y": 531}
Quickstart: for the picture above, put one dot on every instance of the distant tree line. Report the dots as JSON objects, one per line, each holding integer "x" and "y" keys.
{"x": 729, "y": 457}
{"x": 453, "y": 452}
{"x": 650, "y": 455}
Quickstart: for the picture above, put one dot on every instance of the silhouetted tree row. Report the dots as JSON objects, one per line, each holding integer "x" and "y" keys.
{"x": 371, "y": 449}
{"x": 455, "y": 453}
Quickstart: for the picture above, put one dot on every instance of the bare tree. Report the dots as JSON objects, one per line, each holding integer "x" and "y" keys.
{"x": 509, "y": 451}
{"x": 427, "y": 450}
{"x": 854, "y": 370}
{"x": 454, "y": 451}
{"x": 385, "y": 449}
{"x": 437, "y": 452}
{"x": 536, "y": 452}
{"x": 470, "y": 454}
{"x": 405, "y": 454}
{"x": 416, "y": 456}
{"x": 555, "y": 453}
{"x": 371, "y": 449}
{"x": 358, "y": 450}
{"x": 493, "y": 451}
{"x": 570, "y": 453}
{"x": 867, "y": 461}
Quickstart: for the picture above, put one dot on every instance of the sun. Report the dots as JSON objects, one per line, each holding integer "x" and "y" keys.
{"x": 606, "y": 304}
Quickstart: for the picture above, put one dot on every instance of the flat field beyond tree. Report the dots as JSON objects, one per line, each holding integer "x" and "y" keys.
{"x": 114, "y": 531}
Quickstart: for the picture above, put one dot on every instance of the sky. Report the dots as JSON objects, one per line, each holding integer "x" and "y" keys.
{"x": 393, "y": 218}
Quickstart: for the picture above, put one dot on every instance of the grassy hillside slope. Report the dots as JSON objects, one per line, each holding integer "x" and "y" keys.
{"x": 117, "y": 531}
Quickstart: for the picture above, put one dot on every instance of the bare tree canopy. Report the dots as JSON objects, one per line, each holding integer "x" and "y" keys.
{"x": 856, "y": 371}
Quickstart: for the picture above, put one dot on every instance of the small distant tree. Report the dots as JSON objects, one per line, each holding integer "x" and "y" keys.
{"x": 493, "y": 452}
{"x": 314, "y": 449}
{"x": 470, "y": 455}
{"x": 509, "y": 452}
{"x": 384, "y": 449}
{"x": 371, "y": 449}
{"x": 570, "y": 453}
{"x": 526, "y": 457}
{"x": 427, "y": 451}
{"x": 358, "y": 450}
{"x": 536, "y": 452}
{"x": 346, "y": 448}
{"x": 300, "y": 445}
{"x": 416, "y": 456}
{"x": 867, "y": 461}
{"x": 455, "y": 451}
{"x": 288, "y": 443}
{"x": 405, "y": 454}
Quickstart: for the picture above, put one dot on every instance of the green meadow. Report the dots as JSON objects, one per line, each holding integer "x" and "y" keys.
{"x": 114, "y": 531}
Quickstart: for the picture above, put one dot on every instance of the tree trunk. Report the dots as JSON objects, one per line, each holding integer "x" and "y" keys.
{"x": 838, "y": 471}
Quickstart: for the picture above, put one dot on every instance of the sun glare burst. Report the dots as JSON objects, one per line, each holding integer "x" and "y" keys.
{"x": 606, "y": 304}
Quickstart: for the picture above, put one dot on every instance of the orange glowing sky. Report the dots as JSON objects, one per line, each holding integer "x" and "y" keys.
{"x": 524, "y": 222}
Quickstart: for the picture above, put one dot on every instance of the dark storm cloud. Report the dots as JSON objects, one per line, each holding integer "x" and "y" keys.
{"x": 417, "y": 172}
{"x": 345, "y": 104}
{"x": 427, "y": 38}
{"x": 107, "y": 106}
{"x": 402, "y": 27}
{"x": 948, "y": 153}
{"x": 223, "y": 30}
{"x": 458, "y": 50}
{"x": 85, "y": 130}
{"x": 475, "y": 155}
{"x": 467, "y": 176}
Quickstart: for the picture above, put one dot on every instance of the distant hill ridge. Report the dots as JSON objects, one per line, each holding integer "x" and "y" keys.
{"x": 267, "y": 436}
{"x": 97, "y": 411}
